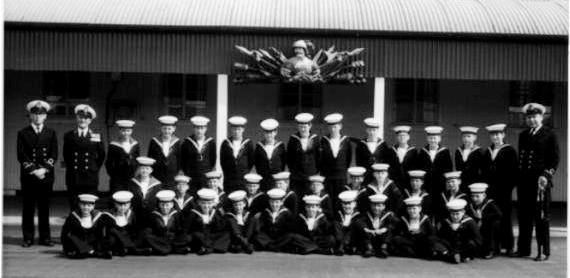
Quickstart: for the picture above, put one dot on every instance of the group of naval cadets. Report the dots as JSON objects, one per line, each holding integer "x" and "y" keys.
{"x": 306, "y": 197}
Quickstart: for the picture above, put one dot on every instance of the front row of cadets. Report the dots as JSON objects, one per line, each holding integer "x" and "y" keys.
{"x": 205, "y": 229}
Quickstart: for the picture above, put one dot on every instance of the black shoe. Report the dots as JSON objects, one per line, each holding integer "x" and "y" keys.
{"x": 248, "y": 249}
{"x": 489, "y": 256}
{"x": 520, "y": 254}
{"x": 509, "y": 253}
{"x": 143, "y": 251}
{"x": 339, "y": 251}
{"x": 27, "y": 243}
{"x": 46, "y": 242}
{"x": 204, "y": 251}
{"x": 367, "y": 253}
{"x": 541, "y": 257}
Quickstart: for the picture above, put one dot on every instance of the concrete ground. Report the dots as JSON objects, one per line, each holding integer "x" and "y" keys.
{"x": 48, "y": 262}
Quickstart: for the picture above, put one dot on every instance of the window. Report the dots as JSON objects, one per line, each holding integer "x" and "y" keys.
{"x": 65, "y": 89}
{"x": 417, "y": 101}
{"x": 523, "y": 92}
{"x": 185, "y": 95}
{"x": 297, "y": 98}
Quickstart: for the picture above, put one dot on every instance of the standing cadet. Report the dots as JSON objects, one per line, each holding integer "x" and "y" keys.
{"x": 539, "y": 157}
{"x": 402, "y": 156}
{"x": 469, "y": 157}
{"x": 335, "y": 156}
{"x": 198, "y": 154}
{"x": 121, "y": 156}
{"x": 236, "y": 155}
{"x": 372, "y": 149}
{"x": 165, "y": 149}
{"x": 37, "y": 153}
{"x": 488, "y": 217}
{"x": 83, "y": 154}
{"x": 303, "y": 153}
{"x": 435, "y": 159}
{"x": 502, "y": 172}
{"x": 270, "y": 155}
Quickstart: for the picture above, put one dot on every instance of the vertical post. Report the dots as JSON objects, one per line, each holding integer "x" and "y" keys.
{"x": 379, "y": 102}
{"x": 221, "y": 114}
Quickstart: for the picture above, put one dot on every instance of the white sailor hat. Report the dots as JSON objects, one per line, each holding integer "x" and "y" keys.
{"x": 380, "y": 166}
{"x": 87, "y": 198}
{"x": 122, "y": 196}
{"x": 417, "y": 174}
{"x": 213, "y": 175}
{"x": 372, "y": 122}
{"x": 282, "y": 176}
{"x": 433, "y": 130}
{"x": 469, "y": 129}
{"x": 165, "y": 195}
{"x": 317, "y": 178}
{"x": 37, "y": 107}
{"x": 478, "y": 187}
{"x": 356, "y": 171}
{"x": 378, "y": 198}
{"x": 269, "y": 124}
{"x": 312, "y": 200}
{"x": 252, "y": 178}
{"x": 85, "y": 110}
{"x": 452, "y": 175}
{"x": 199, "y": 121}
{"x": 236, "y": 196}
{"x": 348, "y": 196}
{"x": 207, "y": 194}
{"x": 413, "y": 201}
{"x": 182, "y": 178}
{"x": 237, "y": 121}
{"x": 125, "y": 123}
{"x": 167, "y": 120}
{"x": 533, "y": 108}
{"x": 496, "y": 128}
{"x": 402, "y": 128}
{"x": 300, "y": 43}
{"x": 276, "y": 193}
{"x": 333, "y": 118}
{"x": 145, "y": 161}
{"x": 456, "y": 204}
{"x": 303, "y": 118}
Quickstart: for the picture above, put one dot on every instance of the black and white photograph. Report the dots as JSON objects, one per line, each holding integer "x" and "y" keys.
{"x": 284, "y": 138}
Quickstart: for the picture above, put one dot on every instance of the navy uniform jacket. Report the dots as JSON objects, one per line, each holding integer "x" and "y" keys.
{"x": 185, "y": 204}
{"x": 398, "y": 170}
{"x": 257, "y": 203}
{"x": 442, "y": 163}
{"x": 75, "y": 237}
{"x": 120, "y": 165}
{"x": 303, "y": 163}
{"x": 486, "y": 214}
{"x": 36, "y": 151}
{"x": 539, "y": 154}
{"x": 321, "y": 229}
{"x": 144, "y": 204}
{"x": 335, "y": 167}
{"x": 425, "y": 232}
{"x": 391, "y": 190}
{"x": 166, "y": 167}
{"x": 244, "y": 232}
{"x": 83, "y": 158}
{"x": 440, "y": 203}
{"x": 266, "y": 167}
{"x": 387, "y": 220}
{"x": 365, "y": 158}
{"x": 235, "y": 168}
{"x": 502, "y": 172}
{"x": 472, "y": 168}
{"x": 196, "y": 163}
{"x": 427, "y": 203}
{"x": 466, "y": 232}
{"x": 284, "y": 223}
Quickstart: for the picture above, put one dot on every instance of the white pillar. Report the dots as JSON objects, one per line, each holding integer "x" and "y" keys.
{"x": 221, "y": 114}
{"x": 379, "y": 102}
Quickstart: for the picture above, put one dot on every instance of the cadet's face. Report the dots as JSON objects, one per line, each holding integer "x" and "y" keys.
{"x": 182, "y": 187}
{"x": 214, "y": 183}
{"x": 252, "y": 188}
{"x": 304, "y": 129}
{"x": 282, "y": 184}
{"x": 122, "y": 207}
{"x": 377, "y": 208}
{"x": 316, "y": 187}
{"x": 237, "y": 132}
{"x": 125, "y": 132}
{"x": 145, "y": 171}
{"x": 82, "y": 121}
{"x": 433, "y": 139}
{"x": 380, "y": 175}
{"x": 478, "y": 198}
{"x": 239, "y": 207}
{"x": 414, "y": 211}
{"x": 348, "y": 207}
{"x": 534, "y": 120}
{"x": 200, "y": 131}
{"x": 468, "y": 138}
{"x": 299, "y": 51}
{"x": 453, "y": 184}
{"x": 275, "y": 205}
{"x": 270, "y": 135}
{"x": 312, "y": 210}
{"x": 416, "y": 184}
{"x": 335, "y": 129}
{"x": 402, "y": 138}
{"x": 38, "y": 119}
{"x": 167, "y": 130}
{"x": 165, "y": 207}
{"x": 205, "y": 206}
{"x": 456, "y": 215}
{"x": 371, "y": 132}
{"x": 86, "y": 208}
{"x": 356, "y": 181}
{"x": 497, "y": 138}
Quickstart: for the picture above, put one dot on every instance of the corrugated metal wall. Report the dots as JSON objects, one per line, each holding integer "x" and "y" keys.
{"x": 214, "y": 53}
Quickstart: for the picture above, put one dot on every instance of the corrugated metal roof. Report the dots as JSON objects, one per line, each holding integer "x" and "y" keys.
{"x": 514, "y": 17}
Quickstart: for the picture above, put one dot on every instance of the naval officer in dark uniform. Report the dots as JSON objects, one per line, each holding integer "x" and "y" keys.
{"x": 83, "y": 154}
{"x": 37, "y": 153}
{"x": 198, "y": 154}
{"x": 538, "y": 159}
